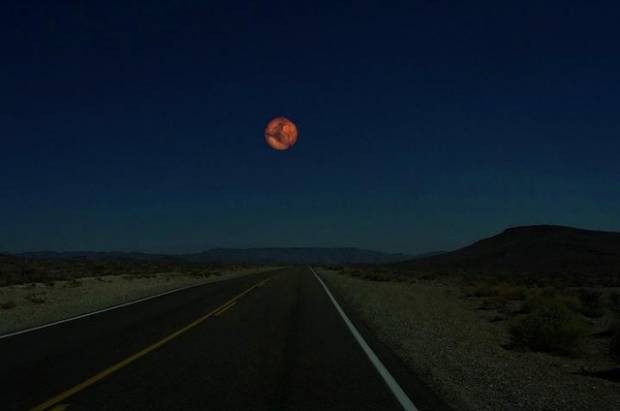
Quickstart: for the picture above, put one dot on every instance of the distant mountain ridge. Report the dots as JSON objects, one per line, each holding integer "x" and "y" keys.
{"x": 549, "y": 250}
{"x": 94, "y": 255}
{"x": 265, "y": 255}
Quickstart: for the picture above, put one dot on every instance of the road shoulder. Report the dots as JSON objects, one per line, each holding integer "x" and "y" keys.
{"x": 444, "y": 342}
{"x": 25, "y": 306}
{"x": 420, "y": 393}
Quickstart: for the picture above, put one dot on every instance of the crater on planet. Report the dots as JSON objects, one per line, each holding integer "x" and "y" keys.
{"x": 281, "y": 133}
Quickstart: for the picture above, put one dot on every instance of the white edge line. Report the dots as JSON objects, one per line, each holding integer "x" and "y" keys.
{"x": 392, "y": 384}
{"x": 102, "y": 310}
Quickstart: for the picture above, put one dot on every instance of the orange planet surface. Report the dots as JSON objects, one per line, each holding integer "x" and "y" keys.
{"x": 281, "y": 133}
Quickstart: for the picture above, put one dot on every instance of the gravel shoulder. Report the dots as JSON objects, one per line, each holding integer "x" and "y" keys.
{"x": 459, "y": 353}
{"x": 29, "y": 305}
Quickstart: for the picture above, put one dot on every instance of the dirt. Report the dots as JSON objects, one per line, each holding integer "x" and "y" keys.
{"x": 29, "y": 305}
{"x": 460, "y": 351}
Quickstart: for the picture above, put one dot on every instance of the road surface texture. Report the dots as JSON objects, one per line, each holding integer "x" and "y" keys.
{"x": 269, "y": 341}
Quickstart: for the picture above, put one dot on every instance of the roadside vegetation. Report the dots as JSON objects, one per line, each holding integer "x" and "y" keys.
{"x": 490, "y": 345}
{"x": 550, "y": 326}
{"x": 551, "y": 314}
{"x": 36, "y": 298}
{"x": 614, "y": 346}
{"x": 22, "y": 270}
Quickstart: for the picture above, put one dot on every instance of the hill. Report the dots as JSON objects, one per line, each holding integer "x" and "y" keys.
{"x": 534, "y": 252}
{"x": 95, "y": 255}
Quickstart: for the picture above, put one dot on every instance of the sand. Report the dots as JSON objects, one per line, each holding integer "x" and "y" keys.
{"x": 28, "y": 305}
{"x": 459, "y": 353}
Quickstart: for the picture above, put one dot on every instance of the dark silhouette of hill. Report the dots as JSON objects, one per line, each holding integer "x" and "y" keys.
{"x": 557, "y": 252}
{"x": 95, "y": 255}
{"x": 426, "y": 255}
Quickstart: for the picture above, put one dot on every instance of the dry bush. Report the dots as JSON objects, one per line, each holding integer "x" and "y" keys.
{"x": 591, "y": 302}
{"x": 35, "y": 298}
{"x": 73, "y": 284}
{"x": 614, "y": 300}
{"x": 371, "y": 275}
{"x": 20, "y": 270}
{"x": 493, "y": 303}
{"x": 538, "y": 297}
{"x": 510, "y": 292}
{"x": 484, "y": 290}
{"x": 550, "y": 326}
{"x": 614, "y": 346}
{"x": 376, "y": 276}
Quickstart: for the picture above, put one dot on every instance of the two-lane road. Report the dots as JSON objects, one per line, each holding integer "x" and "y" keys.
{"x": 269, "y": 341}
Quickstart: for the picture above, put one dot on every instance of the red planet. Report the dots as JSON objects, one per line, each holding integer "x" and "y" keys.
{"x": 281, "y": 133}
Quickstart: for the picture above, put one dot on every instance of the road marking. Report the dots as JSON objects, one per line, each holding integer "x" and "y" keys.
{"x": 392, "y": 384}
{"x": 102, "y": 374}
{"x": 114, "y": 307}
{"x": 60, "y": 407}
{"x": 221, "y": 311}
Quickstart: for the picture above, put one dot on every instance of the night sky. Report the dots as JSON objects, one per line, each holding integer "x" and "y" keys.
{"x": 422, "y": 125}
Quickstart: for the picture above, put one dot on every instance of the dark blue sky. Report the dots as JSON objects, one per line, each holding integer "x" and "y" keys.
{"x": 423, "y": 125}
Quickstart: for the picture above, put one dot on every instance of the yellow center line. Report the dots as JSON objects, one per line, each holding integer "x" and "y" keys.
{"x": 221, "y": 311}
{"x": 104, "y": 373}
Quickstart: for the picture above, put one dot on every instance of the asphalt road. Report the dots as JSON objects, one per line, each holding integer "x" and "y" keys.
{"x": 269, "y": 341}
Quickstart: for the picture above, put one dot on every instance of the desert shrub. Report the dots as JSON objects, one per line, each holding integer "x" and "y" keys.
{"x": 467, "y": 291}
{"x": 531, "y": 302}
{"x": 372, "y": 275}
{"x": 510, "y": 292}
{"x": 591, "y": 302}
{"x": 7, "y": 305}
{"x": 550, "y": 326}
{"x": 73, "y": 283}
{"x": 614, "y": 300}
{"x": 493, "y": 303}
{"x": 35, "y": 298}
{"x": 572, "y": 302}
{"x": 614, "y": 348}
{"x": 614, "y": 344}
{"x": 375, "y": 276}
{"x": 484, "y": 290}
{"x": 537, "y": 298}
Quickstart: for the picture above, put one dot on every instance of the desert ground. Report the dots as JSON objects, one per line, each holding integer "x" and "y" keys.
{"x": 457, "y": 337}
{"x": 457, "y": 341}
{"x": 32, "y": 304}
